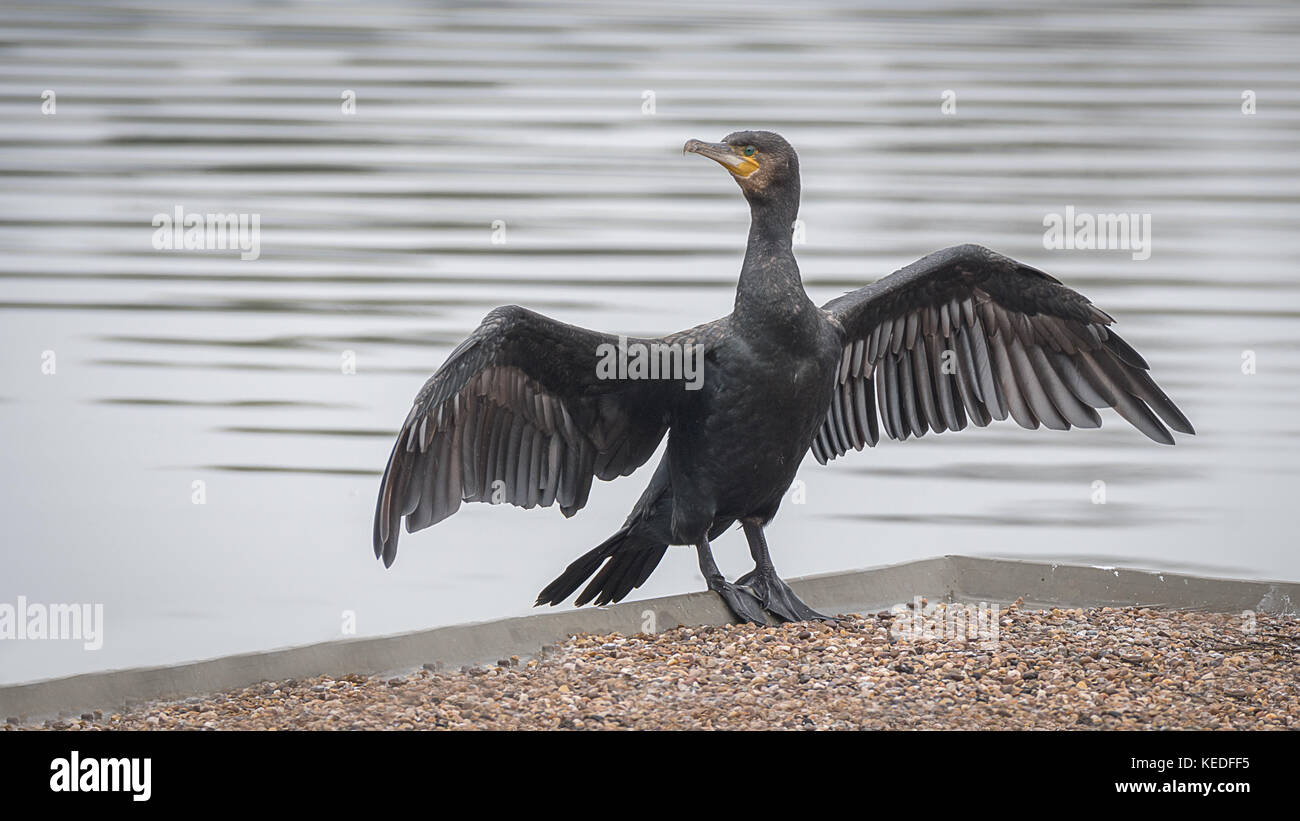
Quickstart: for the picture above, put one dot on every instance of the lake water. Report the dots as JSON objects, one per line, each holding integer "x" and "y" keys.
{"x": 175, "y": 367}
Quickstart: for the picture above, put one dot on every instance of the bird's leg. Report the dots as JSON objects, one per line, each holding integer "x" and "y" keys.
{"x": 776, "y": 596}
{"x": 740, "y": 601}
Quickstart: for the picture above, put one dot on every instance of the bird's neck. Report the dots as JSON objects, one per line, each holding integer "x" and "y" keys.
{"x": 770, "y": 289}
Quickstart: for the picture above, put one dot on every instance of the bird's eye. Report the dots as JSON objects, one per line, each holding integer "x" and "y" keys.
{"x": 749, "y": 151}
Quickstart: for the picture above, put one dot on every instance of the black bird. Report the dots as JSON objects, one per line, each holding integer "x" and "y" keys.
{"x": 525, "y": 411}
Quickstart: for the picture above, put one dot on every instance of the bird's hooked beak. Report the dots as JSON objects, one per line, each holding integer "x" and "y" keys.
{"x": 724, "y": 155}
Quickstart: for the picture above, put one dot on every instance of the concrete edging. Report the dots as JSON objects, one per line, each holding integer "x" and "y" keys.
{"x": 950, "y": 578}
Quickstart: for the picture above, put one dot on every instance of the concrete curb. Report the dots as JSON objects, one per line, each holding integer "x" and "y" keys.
{"x": 951, "y": 578}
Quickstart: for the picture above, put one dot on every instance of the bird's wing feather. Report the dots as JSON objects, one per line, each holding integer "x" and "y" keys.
{"x": 518, "y": 413}
{"x": 966, "y": 335}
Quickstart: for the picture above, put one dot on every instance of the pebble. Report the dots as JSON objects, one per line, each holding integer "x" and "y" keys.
{"x": 1131, "y": 668}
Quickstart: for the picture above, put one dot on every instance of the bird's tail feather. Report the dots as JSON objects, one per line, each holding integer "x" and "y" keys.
{"x": 629, "y": 559}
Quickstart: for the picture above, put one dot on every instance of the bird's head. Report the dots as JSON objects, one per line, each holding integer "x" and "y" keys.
{"x": 762, "y": 162}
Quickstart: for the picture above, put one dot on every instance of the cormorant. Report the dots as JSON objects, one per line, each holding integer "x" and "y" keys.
{"x": 523, "y": 410}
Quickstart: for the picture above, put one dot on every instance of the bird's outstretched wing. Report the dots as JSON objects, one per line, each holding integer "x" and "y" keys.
{"x": 518, "y": 413}
{"x": 966, "y": 335}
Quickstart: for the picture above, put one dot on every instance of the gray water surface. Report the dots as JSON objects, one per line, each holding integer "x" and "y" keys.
{"x": 376, "y": 239}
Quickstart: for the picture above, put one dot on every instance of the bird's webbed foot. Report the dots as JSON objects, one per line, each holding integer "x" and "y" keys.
{"x": 740, "y": 601}
{"x": 777, "y": 598}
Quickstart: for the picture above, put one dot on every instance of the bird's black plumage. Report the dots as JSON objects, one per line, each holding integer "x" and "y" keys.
{"x": 520, "y": 412}
{"x": 968, "y": 335}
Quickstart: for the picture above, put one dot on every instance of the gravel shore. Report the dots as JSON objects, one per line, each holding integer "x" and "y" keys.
{"x": 1104, "y": 668}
